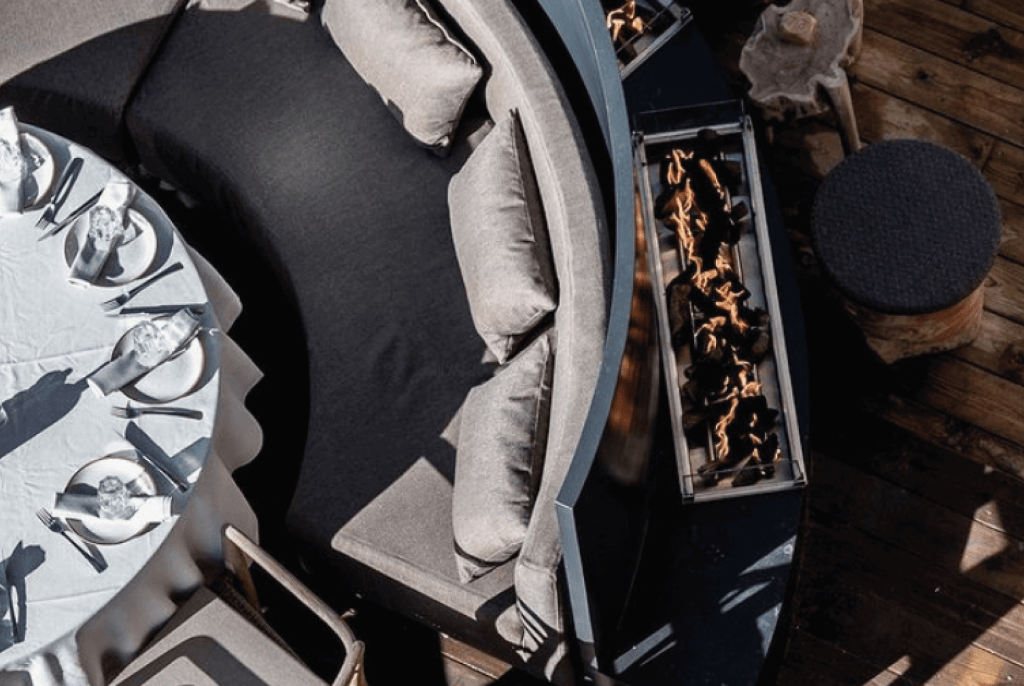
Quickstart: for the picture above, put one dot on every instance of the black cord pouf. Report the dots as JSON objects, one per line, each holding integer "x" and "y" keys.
{"x": 907, "y": 230}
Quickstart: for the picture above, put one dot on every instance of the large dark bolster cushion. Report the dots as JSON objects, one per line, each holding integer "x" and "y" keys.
{"x": 71, "y": 67}
{"x": 255, "y": 110}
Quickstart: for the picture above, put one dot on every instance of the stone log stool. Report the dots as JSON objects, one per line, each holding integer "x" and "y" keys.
{"x": 796, "y": 61}
{"x": 907, "y": 230}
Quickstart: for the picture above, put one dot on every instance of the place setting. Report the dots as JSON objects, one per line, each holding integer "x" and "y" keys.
{"x": 112, "y": 499}
{"x": 109, "y": 245}
{"x": 26, "y": 167}
{"x": 128, "y": 492}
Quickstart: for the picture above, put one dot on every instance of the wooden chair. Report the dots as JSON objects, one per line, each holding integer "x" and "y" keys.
{"x": 219, "y": 638}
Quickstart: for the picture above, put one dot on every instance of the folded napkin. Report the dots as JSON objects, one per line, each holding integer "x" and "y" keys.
{"x": 85, "y": 507}
{"x": 12, "y": 163}
{"x": 106, "y": 232}
{"x": 150, "y": 344}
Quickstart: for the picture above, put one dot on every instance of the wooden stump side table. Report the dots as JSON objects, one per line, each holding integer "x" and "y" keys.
{"x": 796, "y": 61}
{"x": 907, "y": 230}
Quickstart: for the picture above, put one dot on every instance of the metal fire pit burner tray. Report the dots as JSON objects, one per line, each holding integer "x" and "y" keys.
{"x": 703, "y": 473}
{"x": 661, "y": 19}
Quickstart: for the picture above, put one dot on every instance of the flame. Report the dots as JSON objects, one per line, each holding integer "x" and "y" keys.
{"x": 721, "y": 428}
{"x": 708, "y": 329}
{"x": 681, "y": 205}
{"x": 623, "y": 17}
{"x": 713, "y": 177}
{"x": 729, "y": 300}
{"x": 685, "y": 216}
{"x": 690, "y": 223}
{"x": 747, "y": 386}
{"x": 676, "y": 171}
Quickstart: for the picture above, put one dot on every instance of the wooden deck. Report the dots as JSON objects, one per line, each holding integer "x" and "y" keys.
{"x": 911, "y": 563}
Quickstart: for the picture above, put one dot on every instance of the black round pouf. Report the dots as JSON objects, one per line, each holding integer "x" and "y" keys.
{"x": 906, "y": 227}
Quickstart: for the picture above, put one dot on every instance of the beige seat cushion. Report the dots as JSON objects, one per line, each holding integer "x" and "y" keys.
{"x": 207, "y": 643}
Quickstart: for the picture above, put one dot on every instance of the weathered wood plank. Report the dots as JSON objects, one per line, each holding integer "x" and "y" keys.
{"x": 999, "y": 349}
{"x": 881, "y": 116}
{"x": 972, "y": 395}
{"x": 1005, "y": 171}
{"x": 1012, "y": 244}
{"x": 809, "y": 660}
{"x": 1007, "y": 12}
{"x": 866, "y": 566}
{"x": 947, "y": 432}
{"x": 841, "y": 495}
{"x": 942, "y": 86}
{"x": 1004, "y": 292}
{"x": 954, "y": 34}
{"x": 862, "y": 605}
{"x": 937, "y": 472}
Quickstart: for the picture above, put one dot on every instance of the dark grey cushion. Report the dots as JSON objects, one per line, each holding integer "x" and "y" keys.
{"x": 355, "y": 215}
{"x": 403, "y": 50}
{"x": 71, "y": 67}
{"x": 499, "y": 459}
{"x": 500, "y": 238}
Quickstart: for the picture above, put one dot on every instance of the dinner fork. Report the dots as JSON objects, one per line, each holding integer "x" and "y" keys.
{"x": 129, "y": 412}
{"x": 58, "y": 525}
{"x": 114, "y": 303}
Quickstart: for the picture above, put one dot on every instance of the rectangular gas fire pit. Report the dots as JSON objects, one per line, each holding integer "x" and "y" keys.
{"x": 720, "y": 327}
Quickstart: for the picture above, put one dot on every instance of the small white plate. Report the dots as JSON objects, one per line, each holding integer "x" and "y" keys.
{"x": 41, "y": 169}
{"x": 130, "y": 261}
{"x": 173, "y": 379}
{"x": 86, "y": 480}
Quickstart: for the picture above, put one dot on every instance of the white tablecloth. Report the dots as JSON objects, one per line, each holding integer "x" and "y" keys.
{"x": 77, "y": 625}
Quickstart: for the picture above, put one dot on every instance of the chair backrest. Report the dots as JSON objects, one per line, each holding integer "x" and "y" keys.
{"x": 210, "y": 642}
{"x": 520, "y": 77}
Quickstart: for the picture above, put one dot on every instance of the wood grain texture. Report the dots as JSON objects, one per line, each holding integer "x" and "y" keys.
{"x": 993, "y": 453}
{"x": 942, "y": 86}
{"x": 882, "y": 117}
{"x": 967, "y": 39}
{"x": 1007, "y": 12}
{"x": 1005, "y": 171}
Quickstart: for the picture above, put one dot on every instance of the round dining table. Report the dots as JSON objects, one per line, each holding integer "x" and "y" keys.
{"x": 76, "y": 606}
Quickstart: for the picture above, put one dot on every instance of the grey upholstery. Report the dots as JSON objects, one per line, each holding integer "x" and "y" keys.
{"x": 499, "y": 460}
{"x": 208, "y": 643}
{"x": 220, "y": 637}
{"x": 252, "y": 108}
{"x": 428, "y": 76}
{"x": 503, "y": 249}
{"x": 71, "y": 67}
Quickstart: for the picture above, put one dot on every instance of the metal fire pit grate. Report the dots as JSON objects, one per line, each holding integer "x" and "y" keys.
{"x": 639, "y": 27}
{"x": 719, "y": 322}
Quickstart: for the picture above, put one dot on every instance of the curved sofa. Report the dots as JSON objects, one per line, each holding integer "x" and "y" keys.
{"x": 251, "y": 107}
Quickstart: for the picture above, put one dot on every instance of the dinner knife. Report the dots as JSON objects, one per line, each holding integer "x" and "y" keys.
{"x": 10, "y": 593}
{"x": 78, "y": 212}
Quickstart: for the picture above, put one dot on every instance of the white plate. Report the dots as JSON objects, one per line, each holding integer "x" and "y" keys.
{"x": 87, "y": 480}
{"x": 130, "y": 261}
{"x": 40, "y": 170}
{"x": 170, "y": 380}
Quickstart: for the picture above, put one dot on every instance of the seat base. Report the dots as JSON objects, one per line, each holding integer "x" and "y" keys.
{"x": 208, "y": 643}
